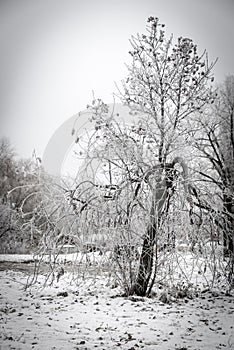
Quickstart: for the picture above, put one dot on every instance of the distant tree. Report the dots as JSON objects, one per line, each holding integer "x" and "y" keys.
{"x": 9, "y": 226}
{"x": 216, "y": 145}
{"x": 7, "y": 168}
{"x": 24, "y": 195}
{"x": 20, "y": 196}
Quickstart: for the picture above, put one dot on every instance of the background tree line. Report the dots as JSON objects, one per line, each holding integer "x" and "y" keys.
{"x": 19, "y": 199}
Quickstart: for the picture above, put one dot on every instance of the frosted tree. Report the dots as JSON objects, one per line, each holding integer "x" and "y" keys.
{"x": 144, "y": 161}
{"x": 167, "y": 84}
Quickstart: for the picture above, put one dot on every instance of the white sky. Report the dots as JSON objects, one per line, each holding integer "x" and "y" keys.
{"x": 55, "y": 52}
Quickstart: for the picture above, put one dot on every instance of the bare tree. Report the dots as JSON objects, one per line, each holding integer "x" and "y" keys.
{"x": 130, "y": 171}
{"x": 167, "y": 83}
{"x": 135, "y": 172}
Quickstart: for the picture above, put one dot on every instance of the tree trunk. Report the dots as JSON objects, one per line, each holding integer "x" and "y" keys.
{"x": 159, "y": 200}
{"x": 160, "y": 195}
{"x": 229, "y": 231}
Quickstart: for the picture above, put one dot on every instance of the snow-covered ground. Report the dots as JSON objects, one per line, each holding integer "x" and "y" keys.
{"x": 93, "y": 316}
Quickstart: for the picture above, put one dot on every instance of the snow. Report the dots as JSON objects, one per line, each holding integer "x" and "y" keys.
{"x": 17, "y": 258}
{"x": 91, "y": 314}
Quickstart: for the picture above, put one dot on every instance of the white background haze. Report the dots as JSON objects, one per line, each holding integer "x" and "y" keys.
{"x": 54, "y": 53}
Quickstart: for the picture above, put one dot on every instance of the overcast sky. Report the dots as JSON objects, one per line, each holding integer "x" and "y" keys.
{"x": 55, "y": 52}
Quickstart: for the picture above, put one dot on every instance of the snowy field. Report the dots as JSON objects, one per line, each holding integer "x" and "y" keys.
{"x": 92, "y": 315}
